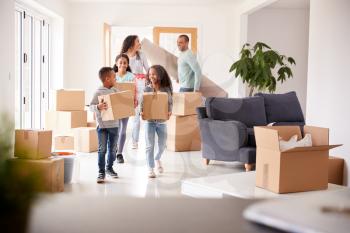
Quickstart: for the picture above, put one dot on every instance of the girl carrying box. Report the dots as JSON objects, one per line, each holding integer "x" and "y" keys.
{"x": 159, "y": 82}
{"x": 123, "y": 74}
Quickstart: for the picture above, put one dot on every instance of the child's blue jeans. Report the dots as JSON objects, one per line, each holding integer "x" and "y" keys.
{"x": 107, "y": 142}
{"x": 151, "y": 129}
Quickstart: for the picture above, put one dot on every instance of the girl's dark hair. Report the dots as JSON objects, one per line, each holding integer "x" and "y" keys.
{"x": 162, "y": 77}
{"x": 128, "y": 43}
{"x": 122, "y": 55}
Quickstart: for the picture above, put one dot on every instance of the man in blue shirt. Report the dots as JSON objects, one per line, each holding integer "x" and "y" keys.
{"x": 188, "y": 68}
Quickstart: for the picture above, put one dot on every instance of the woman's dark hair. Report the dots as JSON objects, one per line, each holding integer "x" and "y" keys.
{"x": 162, "y": 77}
{"x": 128, "y": 43}
{"x": 122, "y": 55}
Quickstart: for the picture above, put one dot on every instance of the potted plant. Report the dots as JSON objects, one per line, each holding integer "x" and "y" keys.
{"x": 18, "y": 188}
{"x": 256, "y": 67}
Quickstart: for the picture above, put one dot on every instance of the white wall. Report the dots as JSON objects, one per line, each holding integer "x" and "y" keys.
{"x": 285, "y": 30}
{"x": 7, "y": 58}
{"x": 85, "y": 57}
{"x": 328, "y": 72}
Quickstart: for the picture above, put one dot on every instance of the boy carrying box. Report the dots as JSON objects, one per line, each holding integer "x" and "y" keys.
{"x": 107, "y": 131}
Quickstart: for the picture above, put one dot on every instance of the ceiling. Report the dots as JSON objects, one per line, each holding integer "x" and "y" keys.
{"x": 163, "y": 2}
{"x": 292, "y": 4}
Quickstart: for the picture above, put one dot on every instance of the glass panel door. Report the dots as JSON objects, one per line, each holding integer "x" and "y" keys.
{"x": 27, "y": 71}
{"x": 45, "y": 74}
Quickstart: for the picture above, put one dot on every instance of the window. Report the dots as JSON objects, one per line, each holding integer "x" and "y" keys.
{"x": 32, "y": 36}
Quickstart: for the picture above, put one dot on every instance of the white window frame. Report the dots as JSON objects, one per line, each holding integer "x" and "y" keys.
{"x": 43, "y": 95}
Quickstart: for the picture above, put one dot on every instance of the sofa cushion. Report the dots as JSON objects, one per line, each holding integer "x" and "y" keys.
{"x": 282, "y": 107}
{"x": 249, "y": 110}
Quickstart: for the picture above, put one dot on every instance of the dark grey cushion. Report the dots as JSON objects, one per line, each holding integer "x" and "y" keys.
{"x": 201, "y": 113}
{"x": 249, "y": 110}
{"x": 282, "y": 107}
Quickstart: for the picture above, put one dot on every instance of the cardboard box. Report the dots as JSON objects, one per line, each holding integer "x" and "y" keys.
{"x": 91, "y": 116}
{"x": 62, "y": 122}
{"x": 120, "y": 105}
{"x": 295, "y": 170}
{"x": 69, "y": 100}
{"x": 49, "y": 172}
{"x": 155, "y": 106}
{"x": 183, "y": 133}
{"x": 335, "y": 170}
{"x": 85, "y": 139}
{"x": 64, "y": 143}
{"x": 33, "y": 144}
{"x": 126, "y": 86}
{"x": 185, "y": 103}
{"x": 92, "y": 124}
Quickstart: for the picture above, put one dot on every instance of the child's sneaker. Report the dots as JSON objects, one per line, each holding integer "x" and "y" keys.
{"x": 101, "y": 177}
{"x": 159, "y": 166}
{"x": 151, "y": 174}
{"x": 135, "y": 145}
{"x": 112, "y": 173}
{"x": 120, "y": 158}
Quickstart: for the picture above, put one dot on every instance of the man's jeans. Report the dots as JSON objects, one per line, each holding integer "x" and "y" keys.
{"x": 186, "y": 89}
{"x": 107, "y": 141}
{"x": 151, "y": 129}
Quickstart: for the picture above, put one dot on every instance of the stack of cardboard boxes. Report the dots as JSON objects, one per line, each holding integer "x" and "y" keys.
{"x": 68, "y": 122}
{"x": 183, "y": 128}
{"x": 33, "y": 151}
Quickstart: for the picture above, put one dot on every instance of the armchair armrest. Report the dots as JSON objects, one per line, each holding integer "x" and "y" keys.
{"x": 223, "y": 135}
{"x": 201, "y": 112}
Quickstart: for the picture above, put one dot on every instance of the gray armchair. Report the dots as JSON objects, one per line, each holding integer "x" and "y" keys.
{"x": 226, "y": 124}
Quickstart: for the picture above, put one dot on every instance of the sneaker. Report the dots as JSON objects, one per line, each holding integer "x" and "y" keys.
{"x": 159, "y": 166}
{"x": 151, "y": 174}
{"x": 135, "y": 145}
{"x": 112, "y": 173}
{"x": 101, "y": 177}
{"x": 120, "y": 158}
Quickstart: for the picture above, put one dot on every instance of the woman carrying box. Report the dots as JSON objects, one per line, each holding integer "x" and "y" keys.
{"x": 123, "y": 74}
{"x": 139, "y": 66}
{"x": 159, "y": 82}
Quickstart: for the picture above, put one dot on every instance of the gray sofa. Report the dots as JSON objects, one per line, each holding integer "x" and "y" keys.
{"x": 226, "y": 124}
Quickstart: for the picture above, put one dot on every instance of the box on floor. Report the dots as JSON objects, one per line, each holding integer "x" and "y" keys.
{"x": 155, "y": 106}
{"x": 62, "y": 122}
{"x": 33, "y": 144}
{"x": 85, "y": 139}
{"x": 183, "y": 133}
{"x": 120, "y": 105}
{"x": 295, "y": 170}
{"x": 69, "y": 100}
{"x": 64, "y": 143}
{"x": 186, "y": 103}
{"x": 335, "y": 170}
{"x": 49, "y": 172}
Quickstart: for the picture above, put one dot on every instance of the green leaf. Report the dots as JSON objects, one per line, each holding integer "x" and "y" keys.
{"x": 291, "y": 61}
